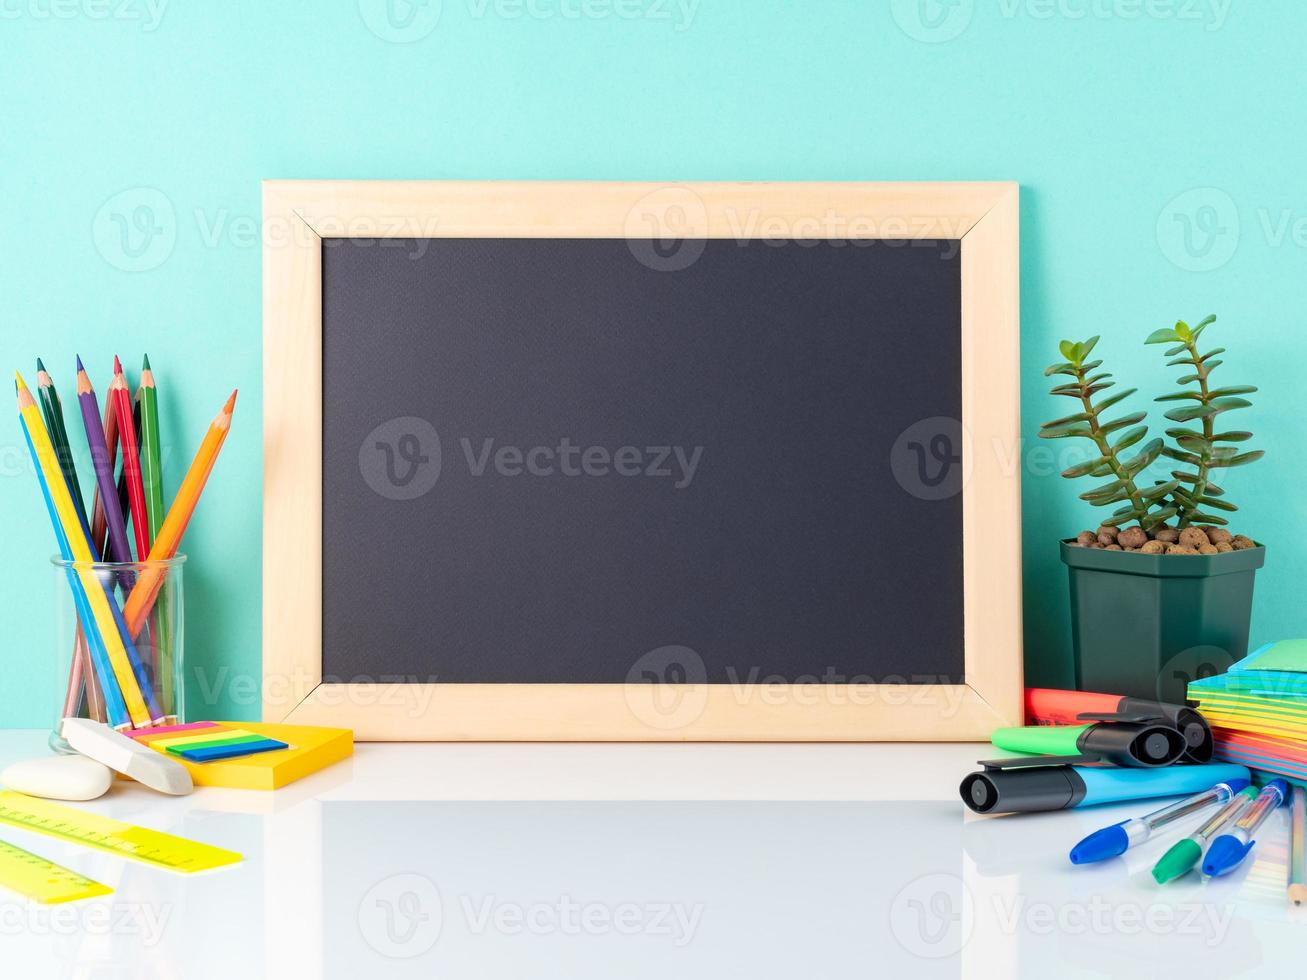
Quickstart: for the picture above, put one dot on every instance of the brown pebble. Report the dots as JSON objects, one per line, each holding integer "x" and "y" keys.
{"x": 1132, "y": 538}
{"x": 1112, "y": 547}
{"x": 1242, "y": 542}
{"x": 1193, "y": 537}
{"x": 1218, "y": 534}
{"x": 1109, "y": 532}
{"x": 1207, "y": 549}
{"x": 1167, "y": 535}
{"x": 1086, "y": 537}
{"x": 1094, "y": 544}
{"x": 1180, "y": 549}
{"x": 1152, "y": 548}
{"x": 1224, "y": 546}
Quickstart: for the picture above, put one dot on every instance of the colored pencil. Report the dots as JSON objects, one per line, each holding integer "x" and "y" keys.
{"x": 99, "y": 519}
{"x": 114, "y": 705}
{"x": 118, "y": 549}
{"x": 53, "y": 411}
{"x": 81, "y": 682}
{"x": 141, "y": 598}
{"x": 1298, "y": 846}
{"x": 122, "y": 403}
{"x": 99, "y": 524}
{"x": 100, "y": 600}
{"x": 147, "y": 407}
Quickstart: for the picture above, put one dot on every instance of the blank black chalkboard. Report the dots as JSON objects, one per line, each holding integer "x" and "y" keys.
{"x": 545, "y": 458}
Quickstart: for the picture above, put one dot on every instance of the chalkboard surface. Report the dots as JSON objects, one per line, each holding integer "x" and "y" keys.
{"x": 545, "y": 458}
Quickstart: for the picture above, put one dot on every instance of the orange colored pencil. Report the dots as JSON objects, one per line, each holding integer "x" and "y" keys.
{"x": 122, "y": 401}
{"x": 179, "y": 514}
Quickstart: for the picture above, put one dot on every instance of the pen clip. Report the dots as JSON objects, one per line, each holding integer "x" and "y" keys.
{"x": 1135, "y": 717}
{"x": 1032, "y": 761}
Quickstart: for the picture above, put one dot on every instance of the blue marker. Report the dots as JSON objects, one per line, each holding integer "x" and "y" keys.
{"x": 1229, "y": 849}
{"x": 1115, "y": 840}
{"x": 1035, "y": 783}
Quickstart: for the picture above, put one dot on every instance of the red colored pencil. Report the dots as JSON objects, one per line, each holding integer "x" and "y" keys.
{"x": 122, "y": 401}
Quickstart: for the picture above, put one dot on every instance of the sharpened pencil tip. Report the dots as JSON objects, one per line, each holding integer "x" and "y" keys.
{"x": 40, "y": 365}
{"x": 21, "y": 385}
{"x": 79, "y": 364}
{"x": 231, "y": 403}
{"x": 117, "y": 365}
{"x": 145, "y": 362}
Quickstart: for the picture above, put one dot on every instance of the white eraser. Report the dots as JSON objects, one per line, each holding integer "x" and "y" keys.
{"x": 59, "y": 777}
{"x": 127, "y": 756}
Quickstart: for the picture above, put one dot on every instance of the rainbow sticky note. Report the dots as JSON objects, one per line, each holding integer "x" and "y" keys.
{"x": 212, "y": 753}
{"x": 215, "y": 742}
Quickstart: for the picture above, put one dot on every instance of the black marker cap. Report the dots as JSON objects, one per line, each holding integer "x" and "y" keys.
{"x": 1191, "y": 725}
{"x": 1023, "y": 790}
{"x": 1134, "y": 745}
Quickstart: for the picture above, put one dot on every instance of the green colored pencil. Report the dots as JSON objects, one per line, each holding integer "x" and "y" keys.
{"x": 53, "y": 411}
{"x": 147, "y": 403}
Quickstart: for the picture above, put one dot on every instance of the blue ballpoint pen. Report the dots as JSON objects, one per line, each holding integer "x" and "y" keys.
{"x": 1115, "y": 840}
{"x": 1228, "y": 850}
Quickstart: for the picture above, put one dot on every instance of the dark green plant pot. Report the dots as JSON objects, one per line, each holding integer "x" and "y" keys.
{"x": 1146, "y": 625}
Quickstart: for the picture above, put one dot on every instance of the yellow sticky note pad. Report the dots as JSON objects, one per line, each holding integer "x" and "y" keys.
{"x": 311, "y": 749}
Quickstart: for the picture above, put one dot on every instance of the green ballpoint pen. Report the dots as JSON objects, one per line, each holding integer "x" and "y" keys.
{"x": 1184, "y": 854}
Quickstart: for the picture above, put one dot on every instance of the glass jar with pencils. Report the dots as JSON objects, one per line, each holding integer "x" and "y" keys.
{"x": 118, "y": 637}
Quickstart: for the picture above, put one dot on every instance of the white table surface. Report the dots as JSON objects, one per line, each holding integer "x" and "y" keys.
{"x": 634, "y": 861}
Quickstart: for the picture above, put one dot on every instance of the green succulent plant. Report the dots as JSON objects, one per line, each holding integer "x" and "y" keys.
{"x": 1111, "y": 438}
{"x": 1201, "y": 450}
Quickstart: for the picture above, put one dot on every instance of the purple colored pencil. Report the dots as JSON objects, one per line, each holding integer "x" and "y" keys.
{"x": 119, "y": 549}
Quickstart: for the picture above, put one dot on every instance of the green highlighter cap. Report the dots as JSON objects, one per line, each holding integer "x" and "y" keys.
{"x": 1182, "y": 856}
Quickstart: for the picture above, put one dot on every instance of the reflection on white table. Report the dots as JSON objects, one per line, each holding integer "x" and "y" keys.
{"x": 642, "y": 861}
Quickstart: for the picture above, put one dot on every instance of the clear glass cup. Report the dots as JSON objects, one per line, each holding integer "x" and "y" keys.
{"x": 100, "y": 677}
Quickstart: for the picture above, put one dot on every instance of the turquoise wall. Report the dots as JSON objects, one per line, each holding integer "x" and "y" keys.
{"x": 1159, "y": 145}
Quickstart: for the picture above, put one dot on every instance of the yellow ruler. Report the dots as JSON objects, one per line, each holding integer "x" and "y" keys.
{"x": 44, "y": 881}
{"x": 123, "y": 839}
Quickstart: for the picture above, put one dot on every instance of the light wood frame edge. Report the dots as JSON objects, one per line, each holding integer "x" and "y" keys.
{"x": 297, "y": 215}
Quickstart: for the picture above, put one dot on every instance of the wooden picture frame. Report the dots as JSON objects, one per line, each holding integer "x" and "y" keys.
{"x": 299, "y": 215}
